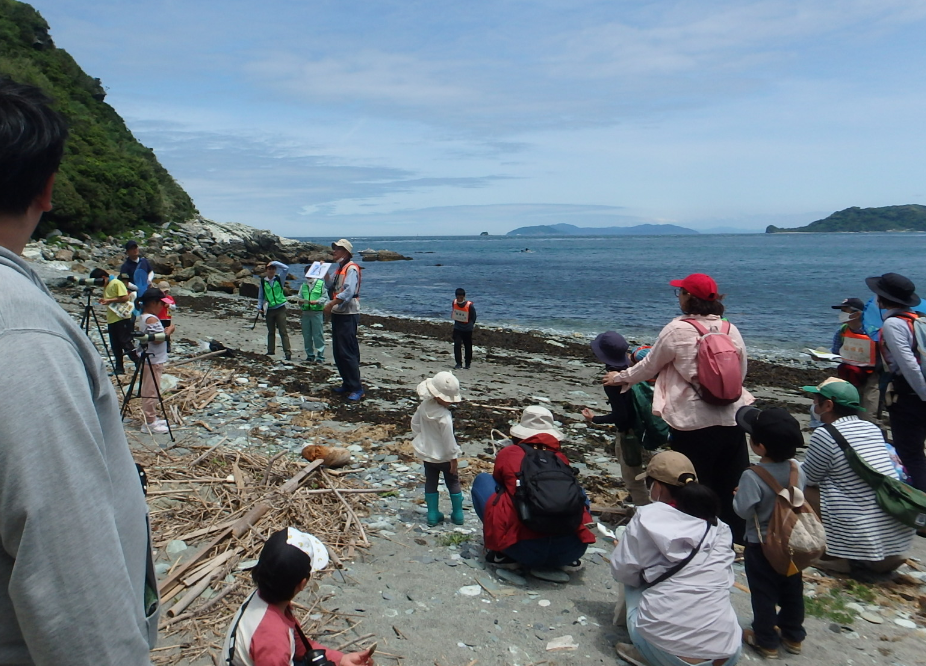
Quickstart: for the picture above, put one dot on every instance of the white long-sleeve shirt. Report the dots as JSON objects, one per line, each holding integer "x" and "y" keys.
{"x": 690, "y": 613}
{"x": 898, "y": 340}
{"x": 432, "y": 426}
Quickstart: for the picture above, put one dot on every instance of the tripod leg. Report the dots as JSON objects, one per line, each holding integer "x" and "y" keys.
{"x": 137, "y": 375}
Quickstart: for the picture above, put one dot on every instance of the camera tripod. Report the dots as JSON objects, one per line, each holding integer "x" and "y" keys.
{"x": 139, "y": 375}
{"x": 88, "y": 314}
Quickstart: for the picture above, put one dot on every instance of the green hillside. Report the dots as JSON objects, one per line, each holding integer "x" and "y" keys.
{"x": 109, "y": 182}
{"x": 911, "y": 217}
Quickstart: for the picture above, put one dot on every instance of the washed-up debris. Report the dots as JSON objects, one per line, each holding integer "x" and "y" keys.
{"x": 562, "y": 643}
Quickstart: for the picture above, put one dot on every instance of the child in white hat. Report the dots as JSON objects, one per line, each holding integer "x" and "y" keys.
{"x": 432, "y": 426}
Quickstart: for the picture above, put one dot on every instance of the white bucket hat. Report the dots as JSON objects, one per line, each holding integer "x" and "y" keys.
{"x": 536, "y": 420}
{"x": 443, "y": 385}
{"x": 344, "y": 243}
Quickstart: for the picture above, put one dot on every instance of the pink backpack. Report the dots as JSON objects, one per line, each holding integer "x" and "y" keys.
{"x": 720, "y": 370}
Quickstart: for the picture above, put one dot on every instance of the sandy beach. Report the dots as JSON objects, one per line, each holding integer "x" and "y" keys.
{"x": 424, "y": 593}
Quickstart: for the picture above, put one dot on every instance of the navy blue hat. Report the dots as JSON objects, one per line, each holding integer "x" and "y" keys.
{"x": 854, "y": 303}
{"x": 894, "y": 287}
{"x": 611, "y": 349}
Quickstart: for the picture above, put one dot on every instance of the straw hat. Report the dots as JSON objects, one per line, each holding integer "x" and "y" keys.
{"x": 536, "y": 420}
{"x": 345, "y": 244}
{"x": 669, "y": 467}
{"x": 443, "y": 385}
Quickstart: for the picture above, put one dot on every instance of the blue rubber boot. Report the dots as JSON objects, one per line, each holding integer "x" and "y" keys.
{"x": 456, "y": 516}
{"x": 435, "y": 517}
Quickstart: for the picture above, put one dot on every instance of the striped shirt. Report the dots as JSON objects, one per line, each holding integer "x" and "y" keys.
{"x": 856, "y": 526}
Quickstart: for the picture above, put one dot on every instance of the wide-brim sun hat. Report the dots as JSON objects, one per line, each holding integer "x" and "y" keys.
{"x": 611, "y": 348}
{"x": 839, "y": 391}
{"x": 536, "y": 420}
{"x": 344, "y": 244}
{"x": 698, "y": 285}
{"x": 443, "y": 385}
{"x": 669, "y": 467}
{"x": 894, "y": 287}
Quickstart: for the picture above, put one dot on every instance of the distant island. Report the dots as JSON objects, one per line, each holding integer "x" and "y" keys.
{"x": 911, "y": 217}
{"x": 572, "y": 230}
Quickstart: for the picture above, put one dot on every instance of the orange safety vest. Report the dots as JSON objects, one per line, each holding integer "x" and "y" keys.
{"x": 341, "y": 275}
{"x": 460, "y": 313}
{"x": 858, "y": 349}
{"x": 908, "y": 317}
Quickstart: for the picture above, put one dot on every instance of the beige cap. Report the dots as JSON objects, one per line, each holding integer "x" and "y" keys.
{"x": 534, "y": 421}
{"x": 164, "y": 285}
{"x": 668, "y": 467}
{"x": 344, "y": 243}
{"x": 443, "y": 385}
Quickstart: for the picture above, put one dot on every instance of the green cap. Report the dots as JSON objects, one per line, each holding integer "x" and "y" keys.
{"x": 839, "y": 391}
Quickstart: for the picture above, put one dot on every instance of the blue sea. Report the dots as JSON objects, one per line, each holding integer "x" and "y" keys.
{"x": 779, "y": 287}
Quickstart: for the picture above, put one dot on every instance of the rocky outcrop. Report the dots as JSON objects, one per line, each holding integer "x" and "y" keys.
{"x": 383, "y": 255}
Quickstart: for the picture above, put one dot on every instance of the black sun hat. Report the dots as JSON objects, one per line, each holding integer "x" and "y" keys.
{"x": 894, "y": 287}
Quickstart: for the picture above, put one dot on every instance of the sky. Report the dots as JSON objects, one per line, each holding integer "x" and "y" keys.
{"x": 376, "y": 118}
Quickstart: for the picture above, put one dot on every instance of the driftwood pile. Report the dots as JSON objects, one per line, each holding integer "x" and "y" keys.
{"x": 224, "y": 504}
{"x": 196, "y": 390}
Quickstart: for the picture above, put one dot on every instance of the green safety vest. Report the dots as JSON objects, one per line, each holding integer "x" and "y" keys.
{"x": 318, "y": 290}
{"x": 273, "y": 292}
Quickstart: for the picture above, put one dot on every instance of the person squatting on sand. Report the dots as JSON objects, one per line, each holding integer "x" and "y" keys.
{"x": 272, "y": 302}
{"x": 77, "y": 582}
{"x": 706, "y": 433}
{"x": 435, "y": 445}
{"x": 463, "y": 314}
{"x": 264, "y": 631}
{"x": 611, "y": 349}
{"x": 675, "y": 560}
{"x": 508, "y": 541}
{"x": 860, "y": 535}
{"x": 905, "y": 396}
{"x": 343, "y": 284}
{"x": 774, "y": 436}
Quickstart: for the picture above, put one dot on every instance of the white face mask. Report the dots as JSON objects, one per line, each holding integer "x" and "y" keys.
{"x": 845, "y": 317}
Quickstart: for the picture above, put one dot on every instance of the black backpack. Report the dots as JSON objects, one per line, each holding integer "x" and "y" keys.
{"x": 548, "y": 498}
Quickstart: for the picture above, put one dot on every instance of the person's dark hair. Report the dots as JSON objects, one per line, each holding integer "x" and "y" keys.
{"x": 888, "y": 304}
{"x": 695, "y": 499}
{"x": 280, "y": 568}
{"x": 778, "y": 450}
{"x": 698, "y": 306}
{"x": 32, "y": 138}
{"x": 97, "y": 273}
{"x": 839, "y": 411}
{"x": 461, "y": 292}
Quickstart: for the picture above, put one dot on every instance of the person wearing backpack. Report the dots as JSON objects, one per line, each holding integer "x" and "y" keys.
{"x": 861, "y": 536}
{"x": 902, "y": 352}
{"x": 859, "y": 353}
{"x": 774, "y": 436}
{"x": 699, "y": 362}
{"x": 675, "y": 561}
{"x": 558, "y": 541}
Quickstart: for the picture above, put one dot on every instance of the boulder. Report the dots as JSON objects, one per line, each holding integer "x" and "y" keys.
{"x": 188, "y": 259}
{"x": 195, "y": 284}
{"x": 184, "y": 274}
{"x": 389, "y": 255}
{"x": 64, "y": 255}
{"x": 249, "y": 287}
{"x": 164, "y": 264}
{"x": 242, "y": 274}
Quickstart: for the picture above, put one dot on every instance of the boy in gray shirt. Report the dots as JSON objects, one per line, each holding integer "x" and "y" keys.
{"x": 774, "y": 435}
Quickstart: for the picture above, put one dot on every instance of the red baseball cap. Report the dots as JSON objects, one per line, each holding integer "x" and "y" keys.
{"x": 698, "y": 285}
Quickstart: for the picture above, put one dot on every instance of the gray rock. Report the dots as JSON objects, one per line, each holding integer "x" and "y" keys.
{"x": 314, "y": 406}
{"x": 511, "y": 577}
{"x": 551, "y": 575}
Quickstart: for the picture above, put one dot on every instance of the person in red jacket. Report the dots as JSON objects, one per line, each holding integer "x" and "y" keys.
{"x": 508, "y": 542}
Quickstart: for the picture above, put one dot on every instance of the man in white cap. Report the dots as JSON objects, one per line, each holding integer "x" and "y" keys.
{"x": 343, "y": 284}
{"x": 272, "y": 302}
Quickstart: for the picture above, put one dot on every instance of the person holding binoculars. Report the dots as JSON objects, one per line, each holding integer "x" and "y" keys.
{"x": 149, "y": 323}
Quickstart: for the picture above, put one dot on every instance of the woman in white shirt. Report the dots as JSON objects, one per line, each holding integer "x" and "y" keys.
{"x": 676, "y": 562}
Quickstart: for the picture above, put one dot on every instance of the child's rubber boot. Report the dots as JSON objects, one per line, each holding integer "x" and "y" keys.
{"x": 435, "y": 517}
{"x": 456, "y": 516}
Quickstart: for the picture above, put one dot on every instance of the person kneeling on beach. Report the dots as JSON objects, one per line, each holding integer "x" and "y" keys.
{"x": 675, "y": 560}
{"x": 509, "y": 542}
{"x": 435, "y": 444}
{"x": 264, "y": 631}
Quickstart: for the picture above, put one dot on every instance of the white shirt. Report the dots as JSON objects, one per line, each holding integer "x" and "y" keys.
{"x": 689, "y": 614}
{"x": 432, "y": 426}
{"x": 149, "y": 323}
{"x": 899, "y": 354}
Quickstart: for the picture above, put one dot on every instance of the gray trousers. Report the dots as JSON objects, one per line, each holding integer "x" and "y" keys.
{"x": 276, "y": 319}
{"x": 313, "y": 335}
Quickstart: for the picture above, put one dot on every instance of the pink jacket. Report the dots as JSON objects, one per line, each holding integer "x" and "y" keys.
{"x": 674, "y": 357}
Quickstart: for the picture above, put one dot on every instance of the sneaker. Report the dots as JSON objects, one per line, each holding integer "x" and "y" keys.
{"x": 154, "y": 428}
{"x": 356, "y": 395}
{"x": 573, "y": 567}
{"x": 630, "y": 654}
{"x": 500, "y": 560}
{"x": 794, "y": 647}
{"x": 458, "y": 366}
{"x": 339, "y": 389}
{"x": 288, "y": 357}
{"x": 466, "y": 367}
{"x": 749, "y": 638}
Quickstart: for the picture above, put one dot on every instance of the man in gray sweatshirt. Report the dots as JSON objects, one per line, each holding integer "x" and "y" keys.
{"x": 77, "y": 583}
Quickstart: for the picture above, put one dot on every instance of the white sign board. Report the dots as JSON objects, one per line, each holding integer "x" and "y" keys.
{"x": 317, "y": 270}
